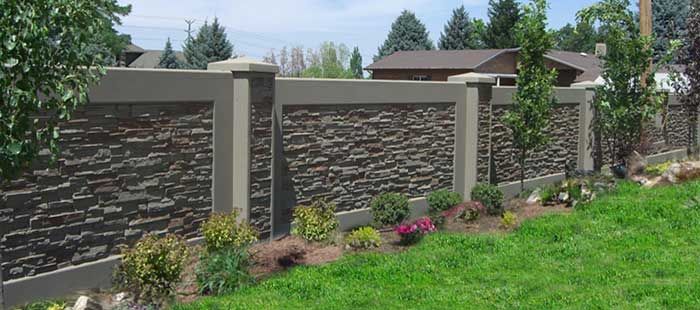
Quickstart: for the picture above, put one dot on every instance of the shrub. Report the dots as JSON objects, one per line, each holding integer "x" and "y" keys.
{"x": 389, "y": 209}
{"x": 222, "y": 231}
{"x": 152, "y": 268}
{"x": 316, "y": 222}
{"x": 442, "y": 200}
{"x": 509, "y": 219}
{"x": 411, "y": 233}
{"x": 549, "y": 194}
{"x": 364, "y": 238}
{"x": 490, "y": 196}
{"x": 658, "y": 169}
{"x": 467, "y": 211}
{"x": 223, "y": 271}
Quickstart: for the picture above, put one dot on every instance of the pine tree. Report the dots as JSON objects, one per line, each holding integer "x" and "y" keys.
{"x": 581, "y": 38}
{"x": 356, "y": 63}
{"x": 168, "y": 59}
{"x": 460, "y": 33}
{"x": 210, "y": 45}
{"x": 669, "y": 22}
{"x": 503, "y": 16}
{"x": 407, "y": 34}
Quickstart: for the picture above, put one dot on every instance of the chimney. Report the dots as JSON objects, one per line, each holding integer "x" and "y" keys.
{"x": 601, "y": 49}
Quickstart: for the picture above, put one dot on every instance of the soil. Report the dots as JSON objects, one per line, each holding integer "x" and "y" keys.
{"x": 289, "y": 251}
{"x": 492, "y": 224}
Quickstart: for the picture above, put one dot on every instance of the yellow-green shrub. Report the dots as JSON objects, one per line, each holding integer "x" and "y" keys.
{"x": 364, "y": 238}
{"x": 222, "y": 231}
{"x": 316, "y": 222}
{"x": 152, "y": 268}
{"x": 509, "y": 219}
{"x": 658, "y": 169}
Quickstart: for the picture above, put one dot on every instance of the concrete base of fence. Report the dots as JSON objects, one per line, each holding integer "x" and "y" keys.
{"x": 65, "y": 281}
{"x": 679, "y": 154}
{"x": 362, "y": 217}
{"x": 512, "y": 189}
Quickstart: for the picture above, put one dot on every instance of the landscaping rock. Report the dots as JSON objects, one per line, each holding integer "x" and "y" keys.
{"x": 636, "y": 164}
{"x": 563, "y": 197}
{"x": 682, "y": 172}
{"x": 535, "y": 197}
{"x": 86, "y": 303}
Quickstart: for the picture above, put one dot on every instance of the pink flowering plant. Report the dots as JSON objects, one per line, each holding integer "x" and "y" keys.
{"x": 412, "y": 232}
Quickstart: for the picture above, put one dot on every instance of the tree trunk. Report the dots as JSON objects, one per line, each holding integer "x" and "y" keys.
{"x": 522, "y": 170}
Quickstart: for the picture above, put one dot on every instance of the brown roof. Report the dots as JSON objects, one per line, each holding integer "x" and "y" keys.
{"x": 150, "y": 59}
{"x": 467, "y": 59}
{"x": 471, "y": 59}
{"x": 589, "y": 63}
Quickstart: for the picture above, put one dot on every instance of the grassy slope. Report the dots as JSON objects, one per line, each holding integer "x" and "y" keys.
{"x": 634, "y": 249}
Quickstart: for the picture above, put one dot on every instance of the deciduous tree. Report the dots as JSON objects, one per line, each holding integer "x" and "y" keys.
{"x": 581, "y": 38}
{"x": 533, "y": 100}
{"x": 47, "y": 63}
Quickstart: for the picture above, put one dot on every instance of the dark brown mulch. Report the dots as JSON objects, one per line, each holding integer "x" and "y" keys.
{"x": 287, "y": 252}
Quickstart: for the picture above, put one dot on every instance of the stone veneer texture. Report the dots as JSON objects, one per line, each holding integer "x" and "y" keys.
{"x": 262, "y": 98}
{"x": 562, "y": 149}
{"x": 125, "y": 170}
{"x": 350, "y": 153}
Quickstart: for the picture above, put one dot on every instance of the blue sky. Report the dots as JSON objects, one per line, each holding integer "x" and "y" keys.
{"x": 256, "y": 26}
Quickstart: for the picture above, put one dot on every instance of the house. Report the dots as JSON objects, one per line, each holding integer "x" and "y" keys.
{"x": 137, "y": 57}
{"x": 499, "y": 63}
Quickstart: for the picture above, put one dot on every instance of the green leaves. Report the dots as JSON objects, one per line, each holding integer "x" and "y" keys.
{"x": 530, "y": 113}
{"x": 49, "y": 57}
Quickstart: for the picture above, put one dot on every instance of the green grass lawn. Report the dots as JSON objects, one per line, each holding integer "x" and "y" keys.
{"x": 634, "y": 248}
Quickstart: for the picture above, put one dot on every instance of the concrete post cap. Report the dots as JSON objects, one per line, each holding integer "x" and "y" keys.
{"x": 243, "y": 64}
{"x": 472, "y": 77}
{"x": 587, "y": 84}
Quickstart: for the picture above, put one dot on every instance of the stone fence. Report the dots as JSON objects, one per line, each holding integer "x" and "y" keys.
{"x": 156, "y": 151}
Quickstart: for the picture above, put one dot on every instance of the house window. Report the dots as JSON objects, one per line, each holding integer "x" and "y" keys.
{"x": 422, "y": 78}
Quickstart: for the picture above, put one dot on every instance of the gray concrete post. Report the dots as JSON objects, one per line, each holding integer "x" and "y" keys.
{"x": 587, "y": 141}
{"x": 253, "y": 101}
{"x": 478, "y": 89}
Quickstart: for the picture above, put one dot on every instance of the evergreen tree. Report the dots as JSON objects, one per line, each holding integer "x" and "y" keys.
{"x": 669, "y": 22}
{"x": 168, "y": 59}
{"x": 581, "y": 38}
{"x": 503, "y": 16}
{"x": 210, "y": 45}
{"x": 356, "y": 63}
{"x": 459, "y": 32}
{"x": 407, "y": 34}
{"x": 479, "y": 32}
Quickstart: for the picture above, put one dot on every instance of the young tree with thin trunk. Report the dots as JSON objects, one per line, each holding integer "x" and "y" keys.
{"x": 532, "y": 103}
{"x": 628, "y": 98}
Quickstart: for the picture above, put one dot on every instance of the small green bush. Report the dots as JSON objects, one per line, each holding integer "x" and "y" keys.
{"x": 549, "y": 194}
{"x": 223, "y": 272}
{"x": 658, "y": 169}
{"x": 442, "y": 200}
{"x": 509, "y": 219}
{"x": 43, "y": 305}
{"x": 490, "y": 196}
{"x": 222, "y": 231}
{"x": 151, "y": 270}
{"x": 389, "y": 209}
{"x": 364, "y": 238}
{"x": 316, "y": 222}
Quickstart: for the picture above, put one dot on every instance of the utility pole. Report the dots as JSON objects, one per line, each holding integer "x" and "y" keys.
{"x": 645, "y": 26}
{"x": 189, "y": 28}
